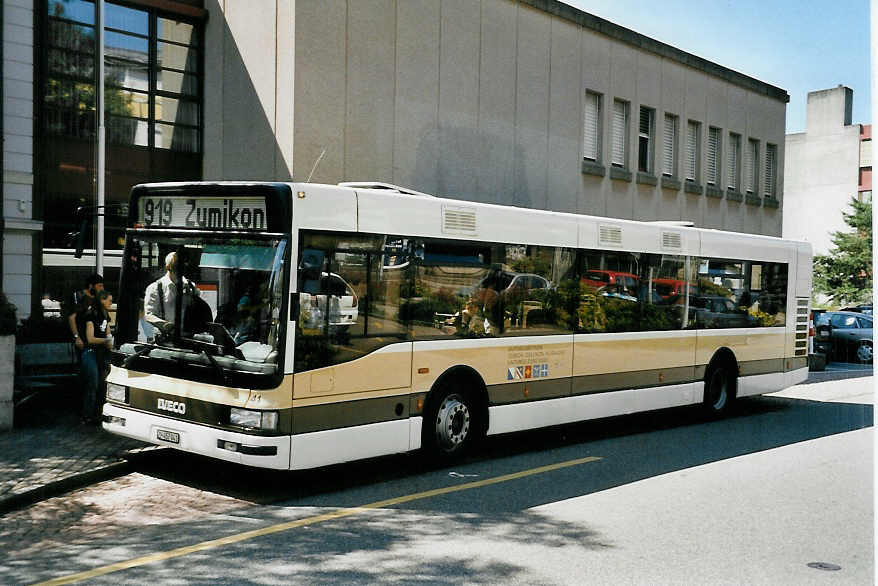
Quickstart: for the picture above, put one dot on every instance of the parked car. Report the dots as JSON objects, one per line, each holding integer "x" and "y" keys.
{"x": 599, "y": 278}
{"x": 672, "y": 288}
{"x": 844, "y": 335}
{"x": 342, "y": 300}
{"x": 715, "y": 311}
{"x": 865, "y": 308}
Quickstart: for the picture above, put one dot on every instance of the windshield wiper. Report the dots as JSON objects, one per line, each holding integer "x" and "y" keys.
{"x": 140, "y": 353}
{"x": 221, "y": 372}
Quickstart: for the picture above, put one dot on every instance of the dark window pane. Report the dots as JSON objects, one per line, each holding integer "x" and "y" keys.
{"x": 72, "y": 36}
{"x": 177, "y": 138}
{"x": 178, "y": 32}
{"x": 69, "y": 63}
{"x": 177, "y": 57}
{"x": 78, "y": 10}
{"x": 534, "y": 300}
{"x": 127, "y": 19}
{"x": 609, "y": 292}
{"x": 177, "y": 111}
{"x": 178, "y": 83}
{"x": 663, "y": 292}
{"x": 129, "y": 131}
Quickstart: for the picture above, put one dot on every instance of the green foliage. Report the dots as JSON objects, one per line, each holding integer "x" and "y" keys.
{"x": 845, "y": 274}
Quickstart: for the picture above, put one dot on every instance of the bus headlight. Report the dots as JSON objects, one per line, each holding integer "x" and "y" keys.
{"x": 118, "y": 393}
{"x": 254, "y": 419}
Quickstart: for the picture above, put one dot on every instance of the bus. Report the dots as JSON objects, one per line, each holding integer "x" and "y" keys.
{"x": 321, "y": 324}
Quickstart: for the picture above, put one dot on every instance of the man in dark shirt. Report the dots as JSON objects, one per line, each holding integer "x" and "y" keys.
{"x": 81, "y": 301}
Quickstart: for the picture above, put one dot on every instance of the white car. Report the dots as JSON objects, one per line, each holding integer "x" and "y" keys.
{"x": 343, "y": 303}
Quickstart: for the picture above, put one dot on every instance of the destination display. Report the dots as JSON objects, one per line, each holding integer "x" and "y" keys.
{"x": 228, "y": 213}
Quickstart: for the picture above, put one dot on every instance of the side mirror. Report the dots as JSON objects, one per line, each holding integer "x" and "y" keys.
{"x": 312, "y": 264}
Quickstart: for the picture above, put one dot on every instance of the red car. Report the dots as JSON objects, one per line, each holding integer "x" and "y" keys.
{"x": 600, "y": 278}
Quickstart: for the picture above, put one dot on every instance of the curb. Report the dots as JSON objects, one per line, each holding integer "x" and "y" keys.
{"x": 59, "y": 487}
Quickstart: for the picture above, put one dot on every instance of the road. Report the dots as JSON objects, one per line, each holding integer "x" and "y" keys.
{"x": 657, "y": 498}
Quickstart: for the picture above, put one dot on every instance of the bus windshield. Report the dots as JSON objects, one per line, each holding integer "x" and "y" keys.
{"x": 226, "y": 323}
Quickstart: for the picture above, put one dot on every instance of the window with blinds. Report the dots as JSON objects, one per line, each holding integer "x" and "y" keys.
{"x": 592, "y": 127}
{"x": 713, "y": 154}
{"x": 645, "y": 140}
{"x": 751, "y": 169}
{"x": 692, "y": 154}
{"x": 770, "y": 170}
{"x": 669, "y": 146}
{"x": 734, "y": 157}
{"x": 620, "y": 133}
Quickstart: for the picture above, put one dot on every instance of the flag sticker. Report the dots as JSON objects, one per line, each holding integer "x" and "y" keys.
{"x": 527, "y": 371}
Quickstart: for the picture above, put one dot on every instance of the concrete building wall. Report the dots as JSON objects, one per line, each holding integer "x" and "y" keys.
{"x": 821, "y": 169}
{"x": 18, "y": 152}
{"x": 478, "y": 100}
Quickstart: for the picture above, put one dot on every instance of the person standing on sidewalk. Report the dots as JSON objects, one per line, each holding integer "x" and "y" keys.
{"x": 94, "y": 357}
{"x": 81, "y": 301}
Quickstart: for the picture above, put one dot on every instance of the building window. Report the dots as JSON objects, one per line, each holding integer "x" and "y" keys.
{"x": 714, "y": 141}
{"x": 734, "y": 158}
{"x": 770, "y": 170}
{"x": 693, "y": 150}
{"x": 620, "y": 134}
{"x": 645, "y": 141}
{"x": 153, "y": 103}
{"x": 669, "y": 150}
{"x": 751, "y": 168}
{"x": 592, "y": 127}
{"x": 866, "y": 153}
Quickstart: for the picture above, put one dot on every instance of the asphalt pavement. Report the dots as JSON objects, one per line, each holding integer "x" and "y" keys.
{"x": 50, "y": 452}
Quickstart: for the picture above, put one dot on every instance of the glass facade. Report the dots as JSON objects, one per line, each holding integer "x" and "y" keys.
{"x": 152, "y": 106}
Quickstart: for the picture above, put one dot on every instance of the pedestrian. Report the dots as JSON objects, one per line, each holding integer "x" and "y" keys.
{"x": 81, "y": 301}
{"x": 94, "y": 356}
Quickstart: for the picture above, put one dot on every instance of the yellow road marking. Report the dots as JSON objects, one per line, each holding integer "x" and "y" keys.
{"x": 239, "y": 537}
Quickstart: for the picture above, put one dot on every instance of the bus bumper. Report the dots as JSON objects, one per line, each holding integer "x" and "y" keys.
{"x": 250, "y": 450}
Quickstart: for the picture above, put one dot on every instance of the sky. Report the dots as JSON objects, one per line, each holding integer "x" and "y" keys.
{"x": 798, "y": 46}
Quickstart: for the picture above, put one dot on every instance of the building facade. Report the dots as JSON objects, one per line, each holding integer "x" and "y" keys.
{"x": 521, "y": 102}
{"x": 826, "y": 165}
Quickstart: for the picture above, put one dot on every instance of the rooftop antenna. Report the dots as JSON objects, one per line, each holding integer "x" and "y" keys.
{"x": 317, "y": 162}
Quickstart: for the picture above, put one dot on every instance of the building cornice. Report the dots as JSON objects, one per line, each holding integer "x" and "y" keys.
{"x": 628, "y": 36}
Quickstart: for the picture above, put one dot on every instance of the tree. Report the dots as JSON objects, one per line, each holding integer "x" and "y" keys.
{"x": 845, "y": 274}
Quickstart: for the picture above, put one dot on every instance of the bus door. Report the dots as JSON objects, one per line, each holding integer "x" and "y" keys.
{"x": 350, "y": 338}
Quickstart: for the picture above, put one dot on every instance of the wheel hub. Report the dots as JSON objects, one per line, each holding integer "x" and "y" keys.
{"x": 864, "y": 353}
{"x": 452, "y": 423}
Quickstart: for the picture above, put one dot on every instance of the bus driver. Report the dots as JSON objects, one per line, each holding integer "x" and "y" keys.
{"x": 161, "y": 298}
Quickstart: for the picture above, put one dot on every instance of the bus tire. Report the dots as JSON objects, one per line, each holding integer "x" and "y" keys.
{"x": 719, "y": 389}
{"x": 451, "y": 424}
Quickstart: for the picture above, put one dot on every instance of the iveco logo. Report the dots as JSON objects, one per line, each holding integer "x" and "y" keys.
{"x": 172, "y": 406}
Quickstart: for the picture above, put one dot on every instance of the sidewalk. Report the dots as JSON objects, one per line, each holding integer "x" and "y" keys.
{"x": 50, "y": 452}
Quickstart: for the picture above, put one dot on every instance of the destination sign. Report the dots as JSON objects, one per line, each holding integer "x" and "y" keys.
{"x": 228, "y": 213}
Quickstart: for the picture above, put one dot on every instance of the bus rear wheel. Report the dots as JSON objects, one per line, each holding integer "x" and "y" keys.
{"x": 449, "y": 425}
{"x": 718, "y": 390}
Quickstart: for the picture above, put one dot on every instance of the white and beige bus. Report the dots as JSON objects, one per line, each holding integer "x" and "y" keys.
{"x": 321, "y": 324}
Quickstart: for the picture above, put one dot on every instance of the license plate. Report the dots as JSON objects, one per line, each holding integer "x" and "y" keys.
{"x": 168, "y": 436}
